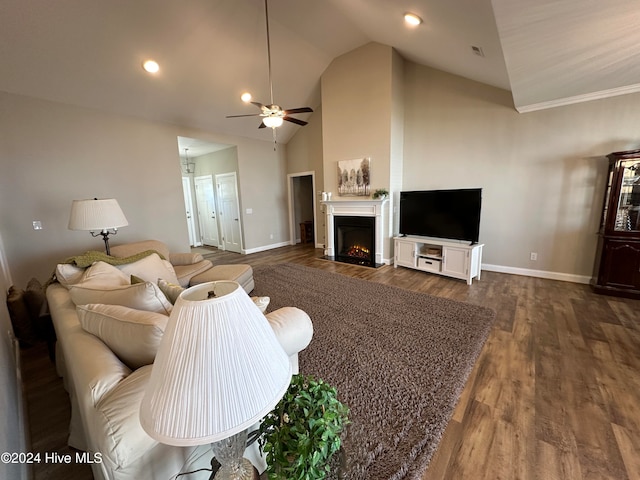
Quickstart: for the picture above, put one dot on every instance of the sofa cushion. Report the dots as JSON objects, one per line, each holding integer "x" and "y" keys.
{"x": 119, "y": 435}
{"x": 141, "y": 296}
{"x": 150, "y": 269}
{"x": 133, "y": 335}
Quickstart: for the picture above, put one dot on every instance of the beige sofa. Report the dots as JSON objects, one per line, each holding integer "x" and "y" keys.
{"x": 106, "y": 339}
{"x": 191, "y": 268}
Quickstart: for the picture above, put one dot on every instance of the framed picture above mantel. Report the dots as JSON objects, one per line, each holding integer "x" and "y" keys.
{"x": 354, "y": 177}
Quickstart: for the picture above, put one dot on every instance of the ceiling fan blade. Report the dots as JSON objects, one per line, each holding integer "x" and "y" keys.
{"x": 295, "y": 120}
{"x": 298, "y": 110}
{"x": 257, "y": 104}
{"x": 250, "y": 115}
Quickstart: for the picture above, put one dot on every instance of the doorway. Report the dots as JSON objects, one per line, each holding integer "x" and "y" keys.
{"x": 227, "y": 188}
{"x": 205, "y": 161}
{"x": 206, "y": 205}
{"x": 302, "y": 207}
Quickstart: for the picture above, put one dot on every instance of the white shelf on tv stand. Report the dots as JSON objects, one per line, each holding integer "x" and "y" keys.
{"x": 440, "y": 256}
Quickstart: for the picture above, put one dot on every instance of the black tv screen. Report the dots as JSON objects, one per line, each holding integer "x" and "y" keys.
{"x": 452, "y": 214}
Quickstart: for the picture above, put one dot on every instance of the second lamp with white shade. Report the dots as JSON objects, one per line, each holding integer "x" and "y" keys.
{"x": 219, "y": 370}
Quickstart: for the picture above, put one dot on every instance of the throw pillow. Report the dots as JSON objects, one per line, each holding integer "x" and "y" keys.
{"x": 150, "y": 268}
{"x": 68, "y": 274}
{"x": 103, "y": 275}
{"x": 133, "y": 335}
{"x": 171, "y": 290}
{"x": 141, "y": 296}
{"x": 20, "y": 320}
{"x": 34, "y": 298}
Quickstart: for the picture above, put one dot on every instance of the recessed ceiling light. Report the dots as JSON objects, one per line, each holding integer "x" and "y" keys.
{"x": 246, "y": 97}
{"x": 412, "y": 19}
{"x": 151, "y": 66}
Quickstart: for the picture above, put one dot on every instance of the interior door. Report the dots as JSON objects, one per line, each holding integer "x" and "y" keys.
{"x": 207, "y": 217}
{"x": 229, "y": 211}
{"x": 188, "y": 205}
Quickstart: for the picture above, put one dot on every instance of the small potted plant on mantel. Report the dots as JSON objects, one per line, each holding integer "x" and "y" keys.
{"x": 380, "y": 194}
{"x": 302, "y": 433}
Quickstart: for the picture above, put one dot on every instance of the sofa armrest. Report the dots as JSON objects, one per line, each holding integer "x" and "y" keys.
{"x": 186, "y": 272}
{"x": 293, "y": 328}
{"x": 185, "y": 258}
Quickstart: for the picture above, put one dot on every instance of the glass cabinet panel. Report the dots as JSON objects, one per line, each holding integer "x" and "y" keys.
{"x": 627, "y": 215}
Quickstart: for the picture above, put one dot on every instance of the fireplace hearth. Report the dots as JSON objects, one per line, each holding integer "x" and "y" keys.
{"x": 355, "y": 240}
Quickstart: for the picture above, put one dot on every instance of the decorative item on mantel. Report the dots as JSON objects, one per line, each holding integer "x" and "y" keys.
{"x": 380, "y": 194}
{"x": 354, "y": 177}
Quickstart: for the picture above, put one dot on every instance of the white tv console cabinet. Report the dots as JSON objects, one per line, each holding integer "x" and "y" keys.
{"x": 439, "y": 256}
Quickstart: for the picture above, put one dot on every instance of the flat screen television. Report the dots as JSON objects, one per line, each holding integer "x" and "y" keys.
{"x": 449, "y": 214}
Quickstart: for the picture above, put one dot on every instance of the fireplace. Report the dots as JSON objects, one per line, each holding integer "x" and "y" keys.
{"x": 355, "y": 240}
{"x": 373, "y": 212}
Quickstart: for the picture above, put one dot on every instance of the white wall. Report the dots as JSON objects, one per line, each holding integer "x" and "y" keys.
{"x": 542, "y": 173}
{"x": 304, "y": 154}
{"x": 51, "y": 153}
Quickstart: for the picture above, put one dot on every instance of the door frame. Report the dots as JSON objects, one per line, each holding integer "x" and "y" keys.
{"x": 292, "y": 219}
{"x": 191, "y": 224}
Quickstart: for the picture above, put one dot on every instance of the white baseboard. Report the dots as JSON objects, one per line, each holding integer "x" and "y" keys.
{"x": 564, "y": 277}
{"x": 265, "y": 247}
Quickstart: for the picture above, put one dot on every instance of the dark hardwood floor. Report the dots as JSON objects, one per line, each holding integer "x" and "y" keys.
{"x": 555, "y": 393}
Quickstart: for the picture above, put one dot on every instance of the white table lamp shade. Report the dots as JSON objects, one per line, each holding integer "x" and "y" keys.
{"x": 96, "y": 215}
{"x": 219, "y": 368}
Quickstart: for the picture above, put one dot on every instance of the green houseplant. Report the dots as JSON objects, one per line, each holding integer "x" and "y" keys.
{"x": 302, "y": 433}
{"x": 381, "y": 193}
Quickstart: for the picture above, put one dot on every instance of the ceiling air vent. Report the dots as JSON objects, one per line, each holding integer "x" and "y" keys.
{"x": 477, "y": 50}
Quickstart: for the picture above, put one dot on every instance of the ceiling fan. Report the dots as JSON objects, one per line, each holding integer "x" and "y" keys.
{"x": 274, "y": 115}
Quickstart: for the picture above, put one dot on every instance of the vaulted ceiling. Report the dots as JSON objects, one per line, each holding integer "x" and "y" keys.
{"x": 89, "y": 52}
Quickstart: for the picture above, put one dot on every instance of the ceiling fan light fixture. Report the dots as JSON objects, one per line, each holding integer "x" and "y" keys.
{"x": 412, "y": 19}
{"x": 272, "y": 121}
{"x": 151, "y": 66}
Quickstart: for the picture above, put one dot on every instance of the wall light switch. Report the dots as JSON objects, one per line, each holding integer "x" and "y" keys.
{"x": 37, "y": 225}
{"x": 249, "y": 211}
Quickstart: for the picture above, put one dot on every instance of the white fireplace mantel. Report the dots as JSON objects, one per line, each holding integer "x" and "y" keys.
{"x": 355, "y": 208}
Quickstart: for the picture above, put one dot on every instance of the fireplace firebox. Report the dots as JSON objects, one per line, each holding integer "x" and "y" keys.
{"x": 355, "y": 240}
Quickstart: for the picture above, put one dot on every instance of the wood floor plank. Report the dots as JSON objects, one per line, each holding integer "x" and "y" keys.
{"x": 555, "y": 392}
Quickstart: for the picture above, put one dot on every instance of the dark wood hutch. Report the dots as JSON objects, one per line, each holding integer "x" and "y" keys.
{"x": 617, "y": 263}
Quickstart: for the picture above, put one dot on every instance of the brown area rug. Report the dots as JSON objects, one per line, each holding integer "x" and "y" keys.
{"x": 399, "y": 359}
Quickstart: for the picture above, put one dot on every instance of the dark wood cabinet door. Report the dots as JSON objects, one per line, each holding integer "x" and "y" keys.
{"x": 621, "y": 264}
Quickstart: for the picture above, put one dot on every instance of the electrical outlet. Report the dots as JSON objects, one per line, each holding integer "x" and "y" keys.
{"x": 37, "y": 225}
{"x": 534, "y": 256}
